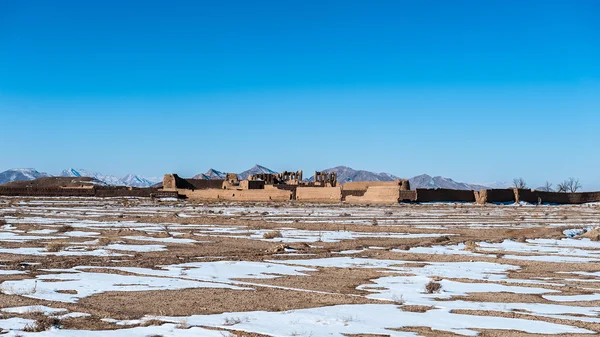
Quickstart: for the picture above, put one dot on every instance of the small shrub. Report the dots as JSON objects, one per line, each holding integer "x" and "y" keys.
{"x": 55, "y": 246}
{"x": 433, "y": 287}
{"x": 64, "y": 229}
{"x": 441, "y": 239}
{"x": 2, "y": 222}
{"x": 375, "y": 223}
{"x": 42, "y": 324}
{"x": 272, "y": 235}
{"x": 232, "y": 321}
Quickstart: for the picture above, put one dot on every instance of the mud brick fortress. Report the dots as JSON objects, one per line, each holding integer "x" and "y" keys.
{"x": 289, "y": 186}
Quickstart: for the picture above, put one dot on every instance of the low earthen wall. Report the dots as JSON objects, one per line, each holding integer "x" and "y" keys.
{"x": 363, "y": 185}
{"x": 377, "y": 195}
{"x": 499, "y": 195}
{"x": 319, "y": 194}
{"x": 444, "y": 194}
{"x": 238, "y": 195}
{"x": 78, "y": 192}
{"x": 568, "y": 198}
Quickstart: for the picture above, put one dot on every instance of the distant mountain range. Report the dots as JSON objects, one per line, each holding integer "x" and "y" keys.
{"x": 31, "y": 174}
{"x": 347, "y": 174}
{"x": 21, "y": 174}
{"x": 344, "y": 174}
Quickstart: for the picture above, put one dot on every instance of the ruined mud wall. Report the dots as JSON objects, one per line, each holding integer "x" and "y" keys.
{"x": 173, "y": 182}
{"x": 356, "y": 193}
{"x": 377, "y": 195}
{"x": 407, "y": 196}
{"x": 319, "y": 194}
{"x": 568, "y": 198}
{"x": 363, "y": 185}
{"x": 238, "y": 195}
{"x": 444, "y": 194}
{"x": 103, "y": 191}
{"x": 497, "y": 195}
{"x": 46, "y": 192}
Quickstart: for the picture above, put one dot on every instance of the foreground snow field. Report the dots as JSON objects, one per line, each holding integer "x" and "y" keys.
{"x": 136, "y": 267}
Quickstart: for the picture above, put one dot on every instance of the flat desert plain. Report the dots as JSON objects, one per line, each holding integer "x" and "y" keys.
{"x": 141, "y": 267}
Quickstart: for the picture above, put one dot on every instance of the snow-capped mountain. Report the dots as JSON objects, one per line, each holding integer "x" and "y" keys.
{"x": 137, "y": 181}
{"x": 498, "y": 184}
{"x": 108, "y": 179}
{"x": 19, "y": 174}
{"x": 427, "y": 181}
{"x": 346, "y": 174}
{"x": 255, "y": 170}
{"x": 129, "y": 180}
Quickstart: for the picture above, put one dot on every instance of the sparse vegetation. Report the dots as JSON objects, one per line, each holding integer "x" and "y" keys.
{"x": 55, "y": 246}
{"x": 43, "y": 323}
{"x": 229, "y": 321}
{"x": 433, "y": 287}
{"x": 64, "y": 229}
{"x": 570, "y": 185}
{"x": 519, "y": 183}
{"x": 272, "y": 235}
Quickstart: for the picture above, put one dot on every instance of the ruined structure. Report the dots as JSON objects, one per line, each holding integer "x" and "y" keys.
{"x": 287, "y": 186}
{"x": 328, "y": 179}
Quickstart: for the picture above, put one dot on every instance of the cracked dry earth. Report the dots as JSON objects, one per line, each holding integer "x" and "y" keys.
{"x": 137, "y": 267}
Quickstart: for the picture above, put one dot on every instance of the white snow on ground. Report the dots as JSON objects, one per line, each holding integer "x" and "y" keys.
{"x": 12, "y": 237}
{"x": 66, "y": 252}
{"x": 471, "y": 270}
{"x": 34, "y": 309}
{"x": 165, "y": 240}
{"x": 137, "y": 248}
{"x": 341, "y": 320}
{"x": 170, "y": 330}
{"x": 300, "y": 235}
{"x": 221, "y": 271}
{"x": 14, "y": 323}
{"x": 90, "y": 283}
{"x": 81, "y": 234}
{"x": 564, "y": 250}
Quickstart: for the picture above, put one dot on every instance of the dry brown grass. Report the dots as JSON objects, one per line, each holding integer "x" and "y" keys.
{"x": 64, "y": 229}
{"x": 104, "y": 241}
{"x": 43, "y": 323}
{"x": 593, "y": 235}
{"x": 433, "y": 287}
{"x": 55, "y": 246}
{"x": 272, "y": 235}
{"x": 471, "y": 245}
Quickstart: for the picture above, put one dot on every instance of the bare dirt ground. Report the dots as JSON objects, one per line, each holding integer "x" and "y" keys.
{"x": 136, "y": 267}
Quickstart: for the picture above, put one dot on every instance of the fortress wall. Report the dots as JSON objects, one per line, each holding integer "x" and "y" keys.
{"x": 78, "y": 192}
{"x": 238, "y": 195}
{"x": 568, "y": 198}
{"x": 377, "y": 195}
{"x": 363, "y": 185}
{"x": 499, "y": 195}
{"x": 526, "y": 195}
{"x": 444, "y": 194}
{"x": 407, "y": 196}
{"x": 356, "y": 193}
{"x": 48, "y": 192}
{"x": 172, "y": 182}
{"x": 319, "y": 194}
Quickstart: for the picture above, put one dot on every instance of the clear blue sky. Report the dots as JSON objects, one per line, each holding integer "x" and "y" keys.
{"x": 478, "y": 91}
